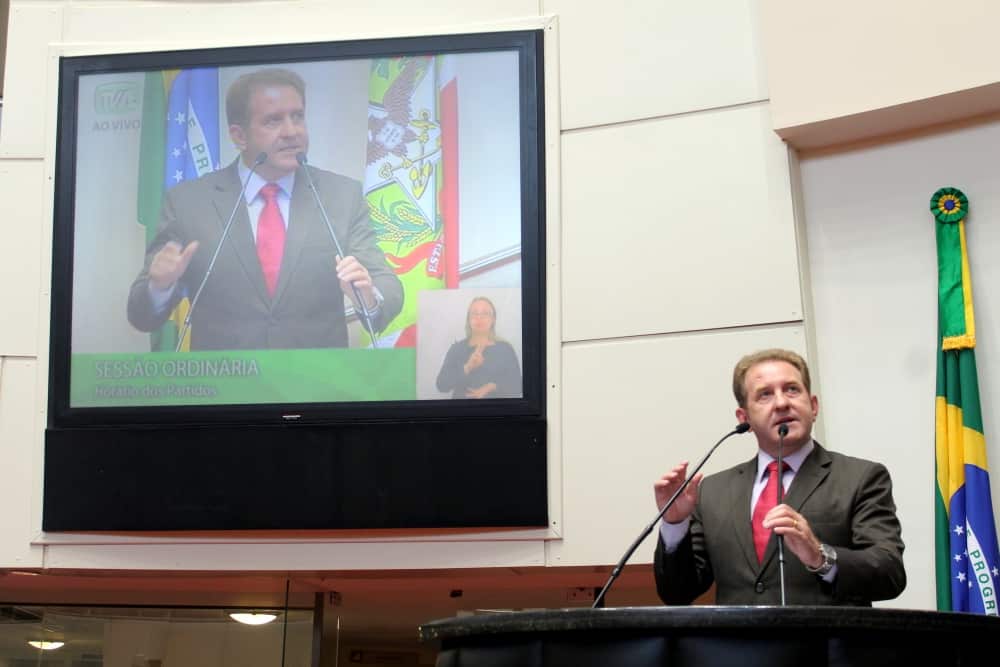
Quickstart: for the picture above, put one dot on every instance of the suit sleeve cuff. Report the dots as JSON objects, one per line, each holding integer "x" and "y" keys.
{"x": 160, "y": 298}
{"x": 673, "y": 534}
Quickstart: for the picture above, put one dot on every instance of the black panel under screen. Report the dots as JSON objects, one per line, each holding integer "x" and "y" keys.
{"x": 441, "y": 475}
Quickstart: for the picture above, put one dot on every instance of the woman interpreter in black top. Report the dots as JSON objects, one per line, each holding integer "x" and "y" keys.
{"x": 481, "y": 366}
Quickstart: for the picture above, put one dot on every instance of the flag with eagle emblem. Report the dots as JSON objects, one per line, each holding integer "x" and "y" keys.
{"x": 411, "y": 178}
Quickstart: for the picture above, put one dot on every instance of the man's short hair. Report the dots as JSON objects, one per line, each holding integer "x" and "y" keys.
{"x": 744, "y": 365}
{"x": 238, "y": 95}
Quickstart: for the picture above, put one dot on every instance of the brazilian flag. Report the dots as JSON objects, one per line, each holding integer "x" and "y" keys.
{"x": 179, "y": 141}
{"x": 967, "y": 557}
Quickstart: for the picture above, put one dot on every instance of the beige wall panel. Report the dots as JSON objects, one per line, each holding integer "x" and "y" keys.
{"x": 21, "y": 219}
{"x": 634, "y": 409}
{"x": 649, "y": 58}
{"x": 874, "y": 286}
{"x": 677, "y": 224}
{"x": 553, "y": 277}
{"x": 198, "y": 23}
{"x": 234, "y": 555}
{"x": 21, "y": 453}
{"x": 831, "y": 59}
{"x": 33, "y": 25}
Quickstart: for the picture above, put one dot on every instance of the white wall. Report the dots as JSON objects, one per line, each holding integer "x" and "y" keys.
{"x": 666, "y": 187}
{"x": 874, "y": 288}
{"x": 843, "y": 71}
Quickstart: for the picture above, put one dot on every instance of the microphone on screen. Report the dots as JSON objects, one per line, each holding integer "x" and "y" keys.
{"x": 261, "y": 159}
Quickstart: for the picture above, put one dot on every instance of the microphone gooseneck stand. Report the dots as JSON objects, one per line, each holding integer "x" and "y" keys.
{"x": 365, "y": 314}
{"x": 782, "y": 432}
{"x": 599, "y": 599}
{"x": 261, "y": 159}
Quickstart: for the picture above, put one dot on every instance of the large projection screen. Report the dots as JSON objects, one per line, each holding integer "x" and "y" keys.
{"x": 412, "y": 165}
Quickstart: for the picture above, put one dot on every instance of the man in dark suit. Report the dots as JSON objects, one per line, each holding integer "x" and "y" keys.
{"x": 842, "y": 540}
{"x": 278, "y": 282}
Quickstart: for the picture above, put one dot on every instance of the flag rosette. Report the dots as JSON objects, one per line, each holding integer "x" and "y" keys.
{"x": 949, "y": 205}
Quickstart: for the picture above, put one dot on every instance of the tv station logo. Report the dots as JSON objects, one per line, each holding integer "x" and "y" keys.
{"x": 118, "y": 98}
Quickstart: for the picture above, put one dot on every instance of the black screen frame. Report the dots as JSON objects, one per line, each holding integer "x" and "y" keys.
{"x": 421, "y": 464}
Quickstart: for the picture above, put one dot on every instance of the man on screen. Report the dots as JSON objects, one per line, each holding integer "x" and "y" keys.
{"x": 278, "y": 281}
{"x": 842, "y": 541}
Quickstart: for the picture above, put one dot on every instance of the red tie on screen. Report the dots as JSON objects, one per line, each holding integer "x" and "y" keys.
{"x": 767, "y": 500}
{"x": 270, "y": 236}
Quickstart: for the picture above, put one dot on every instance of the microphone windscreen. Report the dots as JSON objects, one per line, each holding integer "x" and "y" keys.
{"x": 301, "y": 157}
{"x": 783, "y": 430}
{"x": 742, "y": 427}
{"x": 261, "y": 159}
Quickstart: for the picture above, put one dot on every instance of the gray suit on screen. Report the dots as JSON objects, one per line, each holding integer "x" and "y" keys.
{"x": 235, "y": 310}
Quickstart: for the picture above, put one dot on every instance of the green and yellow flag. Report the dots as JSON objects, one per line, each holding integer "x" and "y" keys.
{"x": 179, "y": 141}
{"x": 967, "y": 561}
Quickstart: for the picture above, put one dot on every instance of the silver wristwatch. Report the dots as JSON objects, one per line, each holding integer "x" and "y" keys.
{"x": 829, "y": 560}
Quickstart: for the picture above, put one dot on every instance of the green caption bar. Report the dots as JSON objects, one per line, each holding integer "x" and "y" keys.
{"x": 242, "y": 377}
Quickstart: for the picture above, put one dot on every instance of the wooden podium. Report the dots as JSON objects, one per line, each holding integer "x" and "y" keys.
{"x": 710, "y": 636}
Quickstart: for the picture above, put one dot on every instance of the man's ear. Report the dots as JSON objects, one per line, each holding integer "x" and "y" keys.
{"x": 741, "y": 415}
{"x": 238, "y": 136}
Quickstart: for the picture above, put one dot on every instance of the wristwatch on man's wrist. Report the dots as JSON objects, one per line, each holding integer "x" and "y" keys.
{"x": 829, "y": 560}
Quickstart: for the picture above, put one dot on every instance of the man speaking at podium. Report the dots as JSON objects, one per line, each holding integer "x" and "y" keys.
{"x": 842, "y": 543}
{"x": 277, "y": 281}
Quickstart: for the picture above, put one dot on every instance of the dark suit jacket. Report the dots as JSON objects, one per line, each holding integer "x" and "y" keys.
{"x": 235, "y": 310}
{"x": 848, "y": 503}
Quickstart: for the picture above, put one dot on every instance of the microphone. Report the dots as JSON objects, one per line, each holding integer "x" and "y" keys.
{"x": 742, "y": 427}
{"x": 366, "y": 316}
{"x": 782, "y": 432}
{"x": 261, "y": 159}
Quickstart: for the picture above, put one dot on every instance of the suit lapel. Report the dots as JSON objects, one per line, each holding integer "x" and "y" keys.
{"x": 742, "y": 491}
{"x": 811, "y": 474}
{"x": 303, "y": 210}
{"x": 240, "y": 235}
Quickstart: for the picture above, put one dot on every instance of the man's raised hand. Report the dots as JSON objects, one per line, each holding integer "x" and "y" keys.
{"x": 170, "y": 263}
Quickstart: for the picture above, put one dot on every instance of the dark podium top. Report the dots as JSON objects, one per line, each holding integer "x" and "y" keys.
{"x": 708, "y": 636}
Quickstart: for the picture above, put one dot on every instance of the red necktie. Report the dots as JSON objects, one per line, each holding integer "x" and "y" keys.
{"x": 767, "y": 500}
{"x": 270, "y": 236}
